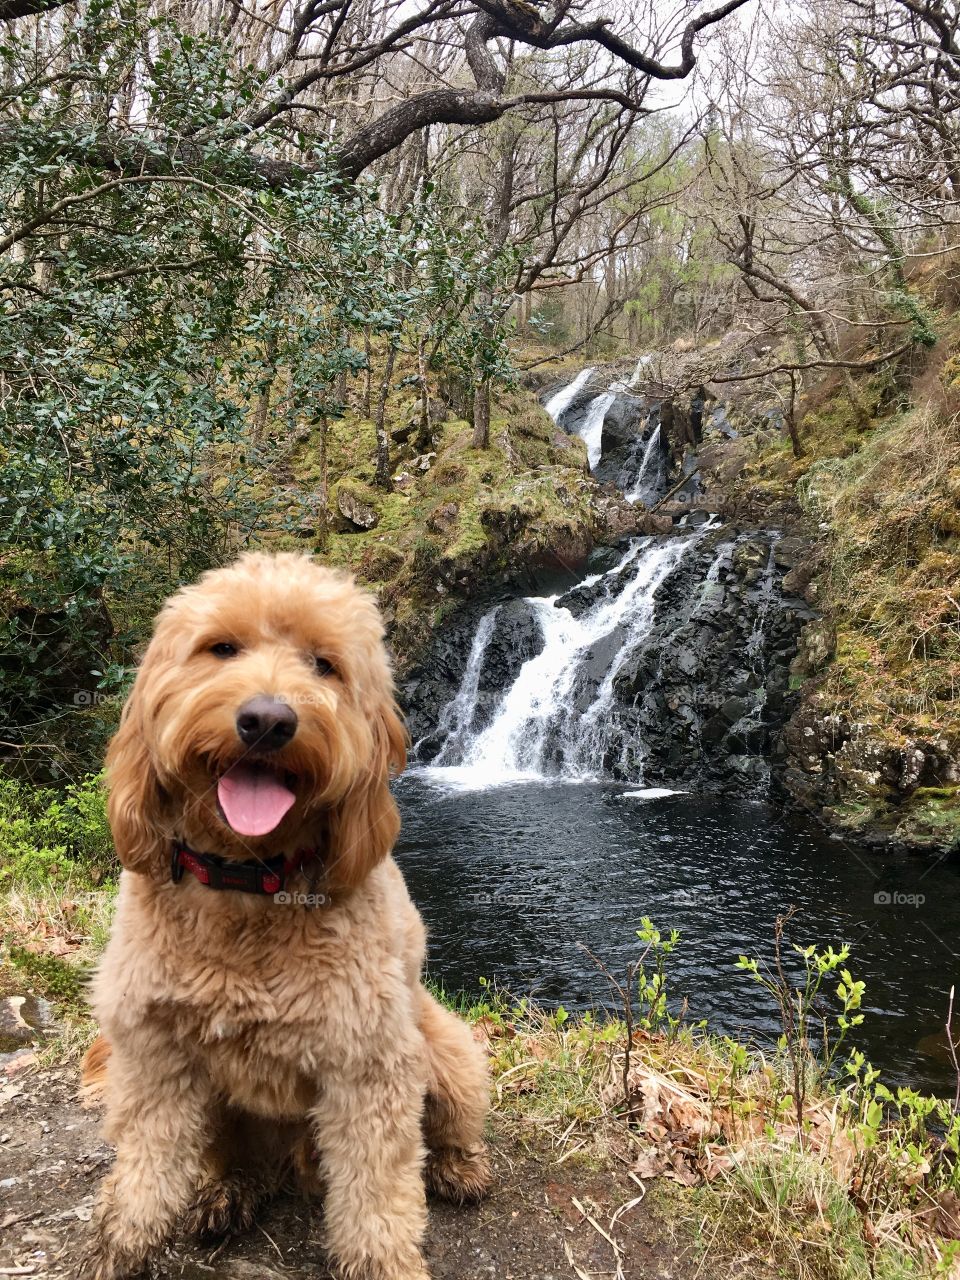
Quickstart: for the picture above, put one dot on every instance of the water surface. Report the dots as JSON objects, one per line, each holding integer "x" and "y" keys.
{"x": 512, "y": 879}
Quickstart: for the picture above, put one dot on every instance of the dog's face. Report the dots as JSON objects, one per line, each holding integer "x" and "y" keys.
{"x": 261, "y": 721}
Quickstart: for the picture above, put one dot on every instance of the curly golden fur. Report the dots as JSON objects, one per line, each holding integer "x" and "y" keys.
{"x": 240, "y": 1032}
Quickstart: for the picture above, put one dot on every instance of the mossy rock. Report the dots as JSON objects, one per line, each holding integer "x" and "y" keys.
{"x": 932, "y": 819}
{"x": 358, "y": 504}
{"x": 534, "y": 422}
{"x": 448, "y": 473}
{"x": 51, "y": 977}
{"x": 380, "y": 562}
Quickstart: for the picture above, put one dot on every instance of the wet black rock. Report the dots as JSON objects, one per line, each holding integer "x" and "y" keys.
{"x": 433, "y": 683}
{"x": 626, "y": 429}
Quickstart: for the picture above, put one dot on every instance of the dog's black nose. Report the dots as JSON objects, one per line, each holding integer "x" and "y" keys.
{"x": 266, "y": 723}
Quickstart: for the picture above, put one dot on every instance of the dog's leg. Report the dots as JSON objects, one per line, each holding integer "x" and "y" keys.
{"x": 367, "y": 1128}
{"x": 158, "y": 1119}
{"x": 458, "y": 1097}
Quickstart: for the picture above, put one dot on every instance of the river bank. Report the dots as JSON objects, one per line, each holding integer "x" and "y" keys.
{"x": 630, "y": 1133}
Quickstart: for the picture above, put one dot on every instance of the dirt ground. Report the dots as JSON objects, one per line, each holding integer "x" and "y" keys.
{"x": 530, "y": 1228}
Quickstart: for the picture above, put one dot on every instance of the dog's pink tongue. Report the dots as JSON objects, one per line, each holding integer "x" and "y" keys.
{"x": 253, "y": 800}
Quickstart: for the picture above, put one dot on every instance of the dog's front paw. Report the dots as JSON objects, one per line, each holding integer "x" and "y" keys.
{"x": 458, "y": 1175}
{"x": 106, "y": 1261}
{"x": 400, "y": 1268}
{"x": 224, "y": 1208}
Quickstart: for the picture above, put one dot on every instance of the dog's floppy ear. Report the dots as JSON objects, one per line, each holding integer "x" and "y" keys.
{"x": 361, "y": 829}
{"x": 134, "y": 803}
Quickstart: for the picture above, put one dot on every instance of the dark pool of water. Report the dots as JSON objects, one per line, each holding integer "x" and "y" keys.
{"x": 511, "y": 879}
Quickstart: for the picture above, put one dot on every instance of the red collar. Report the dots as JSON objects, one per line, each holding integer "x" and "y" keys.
{"x": 266, "y": 877}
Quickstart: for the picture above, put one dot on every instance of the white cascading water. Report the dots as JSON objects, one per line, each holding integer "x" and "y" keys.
{"x": 638, "y": 371}
{"x": 537, "y": 730}
{"x": 459, "y": 713}
{"x": 649, "y": 470}
{"x": 591, "y": 429}
{"x": 557, "y": 405}
{"x": 756, "y": 637}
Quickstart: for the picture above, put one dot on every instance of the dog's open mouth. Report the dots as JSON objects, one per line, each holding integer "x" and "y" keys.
{"x": 255, "y": 798}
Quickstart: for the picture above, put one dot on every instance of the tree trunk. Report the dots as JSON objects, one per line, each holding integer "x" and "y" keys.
{"x": 262, "y": 410}
{"x": 340, "y": 385}
{"x": 633, "y": 328}
{"x": 383, "y": 480}
{"x": 481, "y": 415}
{"x": 423, "y": 435}
{"x": 323, "y": 488}
{"x": 368, "y": 378}
{"x": 791, "y": 416}
{"x": 526, "y": 308}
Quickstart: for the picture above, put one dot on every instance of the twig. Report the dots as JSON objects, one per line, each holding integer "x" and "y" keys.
{"x": 872, "y": 363}
{"x": 614, "y": 1245}
{"x": 670, "y": 492}
{"x": 583, "y": 1275}
{"x": 272, "y": 1241}
{"x": 951, "y": 1044}
{"x": 7, "y": 1223}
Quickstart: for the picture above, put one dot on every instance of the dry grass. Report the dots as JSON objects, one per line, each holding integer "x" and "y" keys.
{"x": 51, "y": 938}
{"x": 701, "y": 1114}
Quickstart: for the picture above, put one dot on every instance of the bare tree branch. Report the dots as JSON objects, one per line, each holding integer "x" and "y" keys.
{"x": 12, "y": 9}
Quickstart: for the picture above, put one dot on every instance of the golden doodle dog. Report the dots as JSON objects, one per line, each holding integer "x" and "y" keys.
{"x": 261, "y": 994}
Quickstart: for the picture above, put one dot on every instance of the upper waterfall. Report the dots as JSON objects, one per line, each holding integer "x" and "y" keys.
{"x": 636, "y": 465}
{"x": 591, "y": 432}
{"x": 559, "y": 403}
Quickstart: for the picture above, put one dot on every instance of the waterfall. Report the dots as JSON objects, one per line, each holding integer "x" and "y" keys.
{"x": 458, "y": 715}
{"x": 554, "y": 719}
{"x": 591, "y": 432}
{"x": 633, "y": 609}
{"x": 558, "y": 403}
{"x": 649, "y": 471}
{"x": 628, "y": 681}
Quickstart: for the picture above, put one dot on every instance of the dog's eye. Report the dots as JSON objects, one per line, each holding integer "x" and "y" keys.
{"x": 224, "y": 650}
{"x": 324, "y": 668}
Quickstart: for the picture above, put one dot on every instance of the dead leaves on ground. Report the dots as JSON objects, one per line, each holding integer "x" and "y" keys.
{"x": 685, "y": 1125}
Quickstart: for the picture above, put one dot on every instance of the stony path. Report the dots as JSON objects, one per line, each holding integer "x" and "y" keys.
{"x": 530, "y": 1228}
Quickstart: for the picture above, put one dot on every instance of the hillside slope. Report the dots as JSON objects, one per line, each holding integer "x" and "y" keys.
{"x": 875, "y": 744}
